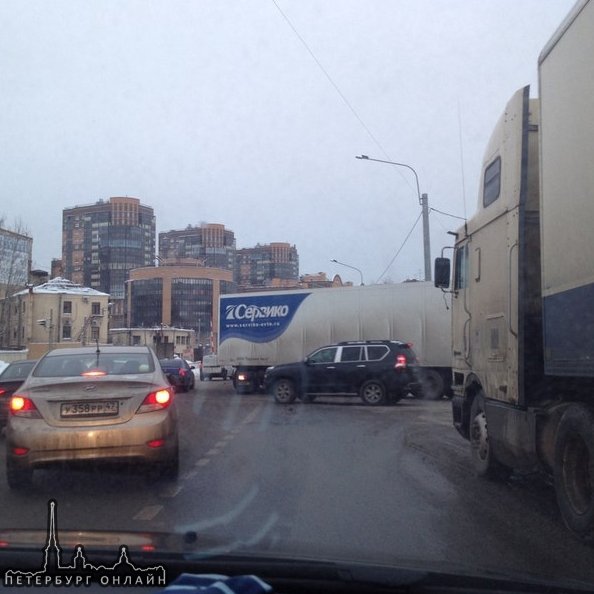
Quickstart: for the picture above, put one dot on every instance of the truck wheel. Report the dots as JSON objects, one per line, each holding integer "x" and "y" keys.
{"x": 373, "y": 392}
{"x": 483, "y": 461}
{"x": 574, "y": 469}
{"x": 284, "y": 391}
{"x": 432, "y": 385}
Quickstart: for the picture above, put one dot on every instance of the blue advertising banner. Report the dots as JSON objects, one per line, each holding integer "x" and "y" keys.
{"x": 257, "y": 318}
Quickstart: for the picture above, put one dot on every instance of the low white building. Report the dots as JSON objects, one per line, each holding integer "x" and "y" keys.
{"x": 57, "y": 314}
{"x": 165, "y": 340}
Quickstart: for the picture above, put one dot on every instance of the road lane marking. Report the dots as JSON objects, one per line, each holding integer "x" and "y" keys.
{"x": 148, "y": 512}
{"x": 250, "y": 418}
{"x": 213, "y": 452}
{"x": 220, "y": 444}
{"x": 203, "y": 462}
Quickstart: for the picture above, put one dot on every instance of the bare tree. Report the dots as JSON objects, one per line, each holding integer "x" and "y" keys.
{"x": 15, "y": 265}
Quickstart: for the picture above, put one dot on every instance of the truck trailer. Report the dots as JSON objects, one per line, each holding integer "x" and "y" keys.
{"x": 260, "y": 330}
{"x": 523, "y": 284}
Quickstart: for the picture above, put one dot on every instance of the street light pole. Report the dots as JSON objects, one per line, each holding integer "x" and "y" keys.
{"x": 349, "y": 266}
{"x": 424, "y": 203}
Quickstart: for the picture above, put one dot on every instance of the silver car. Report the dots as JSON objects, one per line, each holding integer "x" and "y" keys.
{"x": 111, "y": 404}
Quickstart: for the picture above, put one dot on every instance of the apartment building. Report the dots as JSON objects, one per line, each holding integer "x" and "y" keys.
{"x": 102, "y": 242}
{"x": 269, "y": 265}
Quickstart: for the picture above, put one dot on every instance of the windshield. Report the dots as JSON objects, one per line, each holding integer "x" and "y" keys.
{"x": 17, "y": 370}
{"x": 246, "y": 199}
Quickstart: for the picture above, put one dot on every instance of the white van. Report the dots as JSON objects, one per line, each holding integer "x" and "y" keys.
{"x": 211, "y": 368}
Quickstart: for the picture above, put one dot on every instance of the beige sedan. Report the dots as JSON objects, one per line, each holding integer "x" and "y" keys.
{"x": 107, "y": 404}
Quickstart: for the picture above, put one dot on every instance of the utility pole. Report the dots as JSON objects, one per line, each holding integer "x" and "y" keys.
{"x": 424, "y": 202}
{"x": 426, "y": 244}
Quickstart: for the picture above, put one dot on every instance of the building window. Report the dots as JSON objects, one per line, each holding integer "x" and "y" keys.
{"x": 95, "y": 308}
{"x": 67, "y": 308}
{"x": 66, "y": 330}
{"x": 135, "y": 340}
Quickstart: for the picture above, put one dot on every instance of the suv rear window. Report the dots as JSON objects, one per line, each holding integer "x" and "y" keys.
{"x": 377, "y": 352}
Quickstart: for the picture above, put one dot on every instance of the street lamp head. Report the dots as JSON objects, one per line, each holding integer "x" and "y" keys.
{"x": 349, "y": 266}
{"x": 361, "y": 157}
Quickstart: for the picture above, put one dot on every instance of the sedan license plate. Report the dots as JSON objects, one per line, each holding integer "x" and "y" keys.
{"x": 97, "y": 408}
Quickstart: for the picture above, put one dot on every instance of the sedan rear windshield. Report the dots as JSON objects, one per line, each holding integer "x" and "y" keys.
{"x": 92, "y": 364}
{"x": 172, "y": 363}
{"x": 18, "y": 370}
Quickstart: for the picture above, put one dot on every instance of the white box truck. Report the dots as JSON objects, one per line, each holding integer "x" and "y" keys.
{"x": 259, "y": 330}
{"x": 523, "y": 284}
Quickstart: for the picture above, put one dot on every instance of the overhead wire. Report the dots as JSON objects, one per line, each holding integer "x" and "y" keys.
{"x": 400, "y": 248}
{"x": 447, "y": 214}
{"x": 331, "y": 81}
{"x": 355, "y": 114}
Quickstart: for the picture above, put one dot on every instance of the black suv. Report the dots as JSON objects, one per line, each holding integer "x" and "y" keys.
{"x": 376, "y": 370}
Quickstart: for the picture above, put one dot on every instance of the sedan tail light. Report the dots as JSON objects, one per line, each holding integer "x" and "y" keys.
{"x": 23, "y": 406}
{"x": 157, "y": 400}
{"x": 400, "y": 362}
{"x": 182, "y": 372}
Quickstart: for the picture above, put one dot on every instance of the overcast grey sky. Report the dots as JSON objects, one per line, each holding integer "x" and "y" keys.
{"x": 215, "y": 111}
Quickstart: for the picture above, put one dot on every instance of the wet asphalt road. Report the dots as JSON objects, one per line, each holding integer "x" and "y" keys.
{"x": 333, "y": 479}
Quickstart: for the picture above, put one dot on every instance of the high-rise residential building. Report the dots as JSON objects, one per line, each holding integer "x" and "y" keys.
{"x": 209, "y": 243}
{"x": 101, "y": 242}
{"x": 274, "y": 264}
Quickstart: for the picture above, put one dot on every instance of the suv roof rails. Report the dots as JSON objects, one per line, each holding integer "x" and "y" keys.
{"x": 375, "y": 341}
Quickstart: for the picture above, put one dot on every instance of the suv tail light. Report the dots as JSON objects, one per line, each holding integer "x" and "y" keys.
{"x": 23, "y": 406}
{"x": 157, "y": 400}
{"x": 401, "y": 361}
{"x": 182, "y": 372}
